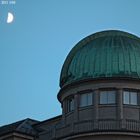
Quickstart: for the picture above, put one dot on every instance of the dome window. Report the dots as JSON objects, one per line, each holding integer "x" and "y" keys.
{"x": 130, "y": 97}
{"x": 107, "y": 97}
{"x": 86, "y": 99}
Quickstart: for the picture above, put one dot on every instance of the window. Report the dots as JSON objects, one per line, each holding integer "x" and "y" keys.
{"x": 85, "y": 99}
{"x": 70, "y": 105}
{"x": 130, "y": 97}
{"x": 107, "y": 97}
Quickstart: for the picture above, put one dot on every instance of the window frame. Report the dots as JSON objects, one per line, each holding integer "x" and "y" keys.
{"x": 88, "y": 99}
{"x": 130, "y": 97}
{"x": 107, "y": 92}
{"x": 70, "y": 104}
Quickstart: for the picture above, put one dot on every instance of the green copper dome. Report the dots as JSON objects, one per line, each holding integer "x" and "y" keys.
{"x": 106, "y": 54}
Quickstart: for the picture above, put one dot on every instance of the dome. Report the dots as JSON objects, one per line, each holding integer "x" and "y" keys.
{"x": 106, "y": 54}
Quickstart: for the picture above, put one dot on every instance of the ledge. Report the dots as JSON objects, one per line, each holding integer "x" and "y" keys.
{"x": 94, "y": 126}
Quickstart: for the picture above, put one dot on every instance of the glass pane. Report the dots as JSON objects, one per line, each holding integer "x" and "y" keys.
{"x": 83, "y": 100}
{"x": 133, "y": 98}
{"x": 89, "y": 99}
{"x": 71, "y": 104}
{"x": 111, "y": 97}
{"x": 126, "y": 97}
{"x": 103, "y": 97}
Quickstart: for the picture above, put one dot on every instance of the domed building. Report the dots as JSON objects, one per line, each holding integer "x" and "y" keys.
{"x": 99, "y": 93}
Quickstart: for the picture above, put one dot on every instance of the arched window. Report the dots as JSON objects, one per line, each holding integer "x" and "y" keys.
{"x": 107, "y": 97}
{"x": 85, "y": 99}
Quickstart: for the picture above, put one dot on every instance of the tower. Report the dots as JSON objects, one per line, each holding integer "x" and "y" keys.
{"x": 100, "y": 83}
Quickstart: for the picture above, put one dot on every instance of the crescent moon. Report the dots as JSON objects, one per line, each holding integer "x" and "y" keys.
{"x": 10, "y": 18}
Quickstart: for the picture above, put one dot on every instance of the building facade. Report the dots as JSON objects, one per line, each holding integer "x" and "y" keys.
{"x": 99, "y": 93}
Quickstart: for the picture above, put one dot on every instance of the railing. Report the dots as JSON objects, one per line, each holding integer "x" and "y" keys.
{"x": 94, "y": 126}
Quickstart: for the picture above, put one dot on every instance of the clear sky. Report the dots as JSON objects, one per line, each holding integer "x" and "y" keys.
{"x": 34, "y": 47}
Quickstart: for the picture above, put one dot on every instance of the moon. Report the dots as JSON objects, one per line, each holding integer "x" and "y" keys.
{"x": 10, "y": 17}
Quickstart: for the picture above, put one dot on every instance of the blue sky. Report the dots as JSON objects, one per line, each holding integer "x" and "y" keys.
{"x": 34, "y": 47}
